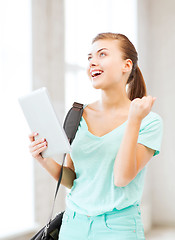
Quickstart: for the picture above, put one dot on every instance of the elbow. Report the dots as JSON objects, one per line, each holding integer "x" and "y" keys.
{"x": 122, "y": 180}
{"x": 71, "y": 184}
{"x": 119, "y": 182}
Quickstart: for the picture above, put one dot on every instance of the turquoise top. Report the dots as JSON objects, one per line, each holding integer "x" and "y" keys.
{"x": 93, "y": 191}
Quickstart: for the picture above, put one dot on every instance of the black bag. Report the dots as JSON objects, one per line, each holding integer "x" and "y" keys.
{"x": 51, "y": 230}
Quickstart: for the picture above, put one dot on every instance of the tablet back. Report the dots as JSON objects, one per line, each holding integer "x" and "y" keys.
{"x": 41, "y": 118}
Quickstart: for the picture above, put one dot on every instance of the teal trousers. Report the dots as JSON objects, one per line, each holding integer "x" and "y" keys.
{"x": 125, "y": 224}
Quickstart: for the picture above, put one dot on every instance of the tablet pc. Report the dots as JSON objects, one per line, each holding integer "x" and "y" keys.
{"x": 41, "y": 117}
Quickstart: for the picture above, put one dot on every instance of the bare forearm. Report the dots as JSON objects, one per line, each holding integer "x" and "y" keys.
{"x": 55, "y": 169}
{"x": 125, "y": 166}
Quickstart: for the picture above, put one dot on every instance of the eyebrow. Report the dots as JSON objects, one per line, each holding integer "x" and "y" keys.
{"x": 99, "y": 50}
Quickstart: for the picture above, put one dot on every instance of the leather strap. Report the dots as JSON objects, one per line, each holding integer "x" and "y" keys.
{"x": 70, "y": 126}
{"x": 72, "y": 120}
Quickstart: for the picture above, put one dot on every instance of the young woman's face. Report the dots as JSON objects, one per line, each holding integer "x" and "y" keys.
{"x": 105, "y": 68}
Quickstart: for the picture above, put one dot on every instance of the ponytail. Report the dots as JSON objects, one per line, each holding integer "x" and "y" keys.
{"x": 136, "y": 85}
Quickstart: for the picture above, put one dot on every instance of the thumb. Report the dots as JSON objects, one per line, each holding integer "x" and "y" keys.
{"x": 154, "y": 99}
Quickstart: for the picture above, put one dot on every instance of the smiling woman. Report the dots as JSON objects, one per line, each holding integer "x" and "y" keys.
{"x": 117, "y": 136}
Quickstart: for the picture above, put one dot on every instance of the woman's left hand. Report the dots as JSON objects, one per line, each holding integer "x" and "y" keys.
{"x": 140, "y": 107}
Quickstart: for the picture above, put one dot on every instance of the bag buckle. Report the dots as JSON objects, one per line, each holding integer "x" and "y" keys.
{"x": 77, "y": 105}
{"x": 45, "y": 231}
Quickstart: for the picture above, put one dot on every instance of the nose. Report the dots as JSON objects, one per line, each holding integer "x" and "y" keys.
{"x": 93, "y": 62}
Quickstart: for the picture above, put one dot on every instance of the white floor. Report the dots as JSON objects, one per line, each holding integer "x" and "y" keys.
{"x": 161, "y": 234}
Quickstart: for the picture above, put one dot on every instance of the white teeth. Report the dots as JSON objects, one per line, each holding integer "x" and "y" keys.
{"x": 96, "y": 73}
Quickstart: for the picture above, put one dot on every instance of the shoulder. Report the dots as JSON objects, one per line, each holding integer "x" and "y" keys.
{"x": 90, "y": 107}
{"x": 152, "y": 119}
{"x": 91, "y": 112}
{"x": 151, "y": 132}
{"x": 93, "y": 105}
{"x": 153, "y": 116}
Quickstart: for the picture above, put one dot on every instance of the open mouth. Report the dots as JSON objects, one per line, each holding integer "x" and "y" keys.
{"x": 96, "y": 73}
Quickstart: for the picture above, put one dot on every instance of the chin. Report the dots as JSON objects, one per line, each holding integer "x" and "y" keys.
{"x": 96, "y": 86}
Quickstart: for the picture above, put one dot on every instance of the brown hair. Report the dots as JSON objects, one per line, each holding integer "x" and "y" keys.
{"x": 136, "y": 84}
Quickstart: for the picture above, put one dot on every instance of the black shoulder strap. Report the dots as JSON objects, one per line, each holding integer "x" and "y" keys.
{"x": 70, "y": 126}
{"x": 72, "y": 120}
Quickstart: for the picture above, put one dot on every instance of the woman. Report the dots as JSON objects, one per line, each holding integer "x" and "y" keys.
{"x": 116, "y": 138}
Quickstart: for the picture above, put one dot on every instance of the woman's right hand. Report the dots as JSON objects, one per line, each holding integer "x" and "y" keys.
{"x": 37, "y": 146}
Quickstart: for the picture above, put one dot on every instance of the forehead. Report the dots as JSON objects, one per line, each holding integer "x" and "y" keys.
{"x": 109, "y": 44}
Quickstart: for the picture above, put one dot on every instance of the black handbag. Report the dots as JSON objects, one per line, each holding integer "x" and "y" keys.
{"x": 51, "y": 230}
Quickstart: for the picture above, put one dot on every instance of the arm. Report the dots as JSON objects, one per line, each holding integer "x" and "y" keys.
{"x": 54, "y": 169}
{"x": 37, "y": 146}
{"x": 131, "y": 157}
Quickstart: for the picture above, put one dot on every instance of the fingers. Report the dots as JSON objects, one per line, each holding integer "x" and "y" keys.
{"x": 150, "y": 99}
{"x": 140, "y": 107}
{"x": 37, "y": 146}
{"x": 35, "y": 151}
{"x": 38, "y": 142}
{"x": 32, "y": 136}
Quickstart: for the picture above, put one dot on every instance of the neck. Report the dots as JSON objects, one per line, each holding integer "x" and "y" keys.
{"x": 113, "y": 99}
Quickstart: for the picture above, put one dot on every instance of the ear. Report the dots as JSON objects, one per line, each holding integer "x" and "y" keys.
{"x": 127, "y": 65}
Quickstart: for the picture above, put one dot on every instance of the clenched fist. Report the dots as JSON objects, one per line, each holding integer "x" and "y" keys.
{"x": 140, "y": 107}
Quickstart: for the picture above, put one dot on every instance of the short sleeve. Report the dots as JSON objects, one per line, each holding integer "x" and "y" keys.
{"x": 151, "y": 133}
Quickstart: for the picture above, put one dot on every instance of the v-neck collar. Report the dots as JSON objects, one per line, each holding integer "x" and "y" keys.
{"x": 105, "y": 135}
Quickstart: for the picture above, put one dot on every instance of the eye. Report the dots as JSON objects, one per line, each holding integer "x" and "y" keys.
{"x": 102, "y": 54}
{"x": 89, "y": 58}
